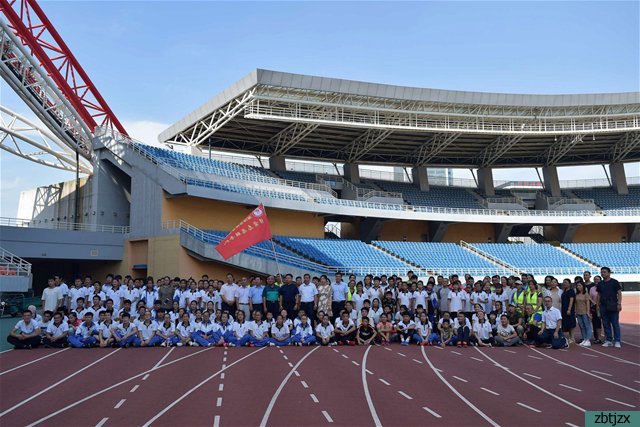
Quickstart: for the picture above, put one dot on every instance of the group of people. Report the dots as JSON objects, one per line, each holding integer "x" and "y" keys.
{"x": 453, "y": 311}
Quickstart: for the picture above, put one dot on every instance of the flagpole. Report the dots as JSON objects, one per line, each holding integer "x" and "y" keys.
{"x": 275, "y": 256}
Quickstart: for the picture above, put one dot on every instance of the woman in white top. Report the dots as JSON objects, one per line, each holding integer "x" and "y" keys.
{"x": 166, "y": 332}
{"x": 183, "y": 331}
{"x": 359, "y": 297}
{"x": 280, "y": 333}
{"x": 240, "y": 331}
{"x": 375, "y": 311}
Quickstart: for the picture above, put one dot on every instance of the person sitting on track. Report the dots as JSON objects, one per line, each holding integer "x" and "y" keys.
{"x": 461, "y": 329}
{"x": 207, "y": 335}
{"x": 166, "y": 332}
{"x": 406, "y": 329}
{"x": 258, "y": 331}
{"x": 147, "y": 331}
{"x": 303, "y": 333}
{"x": 532, "y": 321}
{"x": 225, "y": 327}
{"x": 325, "y": 331}
{"x": 366, "y": 333}
{"x": 385, "y": 328}
{"x": 125, "y": 333}
{"x": 481, "y": 331}
{"x": 345, "y": 329}
{"x": 183, "y": 331}
{"x": 26, "y": 333}
{"x": 446, "y": 334}
{"x": 425, "y": 330}
{"x": 507, "y": 335}
{"x": 57, "y": 332}
{"x": 550, "y": 332}
{"x": 280, "y": 333}
{"x": 85, "y": 336}
{"x": 239, "y": 335}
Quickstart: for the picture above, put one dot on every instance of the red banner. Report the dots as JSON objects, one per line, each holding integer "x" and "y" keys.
{"x": 252, "y": 230}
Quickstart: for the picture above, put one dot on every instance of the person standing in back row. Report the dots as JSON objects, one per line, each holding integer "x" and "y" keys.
{"x": 339, "y": 291}
{"x": 228, "y": 295}
{"x": 289, "y": 297}
{"x": 609, "y": 305}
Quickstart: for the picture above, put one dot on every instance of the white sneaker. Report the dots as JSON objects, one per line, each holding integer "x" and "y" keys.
{"x": 179, "y": 344}
{"x": 617, "y": 344}
{"x": 586, "y": 343}
{"x": 607, "y": 344}
{"x": 164, "y": 344}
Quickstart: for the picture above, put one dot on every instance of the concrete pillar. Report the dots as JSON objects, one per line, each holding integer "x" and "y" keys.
{"x": 485, "y": 181}
{"x": 370, "y": 229}
{"x": 551, "y": 181}
{"x": 352, "y": 172}
{"x": 437, "y": 230}
{"x": 277, "y": 163}
{"x": 618, "y": 178}
{"x": 420, "y": 178}
{"x": 503, "y": 231}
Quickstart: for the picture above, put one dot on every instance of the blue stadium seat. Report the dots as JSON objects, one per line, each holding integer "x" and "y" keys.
{"x": 609, "y": 254}
{"x": 448, "y": 197}
{"x": 608, "y": 199}
{"x": 532, "y": 256}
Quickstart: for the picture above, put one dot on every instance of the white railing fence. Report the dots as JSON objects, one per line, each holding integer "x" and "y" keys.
{"x": 13, "y": 265}
{"x": 63, "y": 225}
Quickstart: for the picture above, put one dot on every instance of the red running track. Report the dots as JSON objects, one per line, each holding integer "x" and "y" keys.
{"x": 246, "y": 386}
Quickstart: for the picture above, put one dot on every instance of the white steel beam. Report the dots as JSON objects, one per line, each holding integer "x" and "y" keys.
{"x": 288, "y": 137}
{"x": 497, "y": 149}
{"x": 431, "y": 148}
{"x": 364, "y": 143}
{"x": 624, "y": 146}
{"x": 560, "y": 148}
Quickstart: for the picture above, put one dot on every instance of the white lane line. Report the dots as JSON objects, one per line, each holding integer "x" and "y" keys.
{"x": 434, "y": 413}
{"x": 296, "y": 373}
{"x": 224, "y": 366}
{"x": 636, "y": 381}
{"x": 534, "y": 357}
{"x": 455, "y": 352}
{"x": 355, "y": 363}
{"x": 529, "y": 407}
{"x": 335, "y": 349}
{"x": 327, "y": 416}
{"x": 571, "y": 425}
{"x": 371, "y": 373}
{"x": 345, "y": 356}
{"x": 272, "y": 403}
{"x": 402, "y": 393}
{"x": 532, "y": 376}
{"x": 632, "y": 345}
{"x": 290, "y": 364}
{"x": 507, "y": 370}
{"x": 587, "y": 372}
{"x": 220, "y": 387}
{"x": 216, "y": 421}
{"x": 456, "y": 392}
{"x": 621, "y": 403}
{"x": 222, "y": 376}
{"x": 365, "y": 386}
{"x": 439, "y": 370}
{"x": 285, "y": 357}
{"x": 102, "y": 421}
{"x": 219, "y": 402}
{"x": 53, "y": 386}
{"x": 145, "y": 377}
{"x": 304, "y": 384}
{"x": 460, "y": 379}
{"x": 33, "y": 361}
{"x": 402, "y": 354}
{"x": 387, "y": 348}
{"x": 510, "y": 351}
{"x": 135, "y": 387}
{"x": 417, "y": 361}
{"x": 6, "y": 351}
{"x": 119, "y": 404}
{"x": 478, "y": 359}
{"x": 197, "y": 386}
{"x": 163, "y": 358}
{"x": 569, "y": 387}
{"x": 610, "y": 356}
{"x": 601, "y": 373}
{"x": 383, "y": 381}
{"x": 587, "y": 354}
{"x": 280, "y": 350}
{"x": 111, "y": 387}
{"x": 314, "y": 398}
{"x": 224, "y": 359}
{"x": 438, "y": 347}
{"x": 490, "y": 391}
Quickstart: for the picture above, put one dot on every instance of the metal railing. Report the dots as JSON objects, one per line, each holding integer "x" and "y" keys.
{"x": 558, "y": 201}
{"x": 494, "y": 259}
{"x": 13, "y": 265}
{"x": 63, "y": 225}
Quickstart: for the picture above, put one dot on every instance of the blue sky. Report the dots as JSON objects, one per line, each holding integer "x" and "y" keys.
{"x": 156, "y": 61}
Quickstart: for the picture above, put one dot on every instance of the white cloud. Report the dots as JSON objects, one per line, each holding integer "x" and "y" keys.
{"x": 146, "y": 131}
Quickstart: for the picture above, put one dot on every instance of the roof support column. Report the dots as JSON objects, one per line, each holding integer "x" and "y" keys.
{"x": 618, "y": 178}
{"x": 551, "y": 181}
{"x": 277, "y": 163}
{"x": 420, "y": 177}
{"x": 352, "y": 172}
{"x": 485, "y": 181}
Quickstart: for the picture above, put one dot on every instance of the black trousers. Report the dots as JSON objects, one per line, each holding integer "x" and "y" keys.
{"x": 20, "y": 344}
{"x": 336, "y": 307}
{"x": 59, "y": 343}
{"x": 308, "y": 309}
{"x": 231, "y": 308}
{"x": 344, "y": 338}
{"x": 273, "y": 307}
{"x": 290, "y": 307}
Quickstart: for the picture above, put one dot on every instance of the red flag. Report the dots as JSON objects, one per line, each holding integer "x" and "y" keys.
{"x": 252, "y": 230}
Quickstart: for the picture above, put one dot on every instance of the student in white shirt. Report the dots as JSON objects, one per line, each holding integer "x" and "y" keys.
{"x": 240, "y": 328}
{"x": 85, "y": 336}
{"x": 259, "y": 331}
{"x": 125, "y": 333}
{"x": 375, "y": 311}
{"x": 406, "y": 329}
{"x": 105, "y": 337}
{"x": 51, "y": 297}
{"x": 420, "y": 297}
{"x": 26, "y": 333}
{"x": 457, "y": 299}
{"x": 56, "y": 333}
{"x": 324, "y": 332}
{"x": 461, "y": 329}
{"x": 345, "y": 330}
{"x": 359, "y": 297}
{"x": 147, "y": 331}
{"x": 481, "y": 331}
{"x": 280, "y": 333}
{"x": 183, "y": 331}
{"x": 425, "y": 330}
{"x": 206, "y": 332}
{"x": 303, "y": 335}
{"x": 165, "y": 334}
{"x": 75, "y": 291}
{"x": 507, "y": 335}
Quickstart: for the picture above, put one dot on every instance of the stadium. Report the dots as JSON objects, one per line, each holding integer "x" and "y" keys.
{"x": 355, "y": 178}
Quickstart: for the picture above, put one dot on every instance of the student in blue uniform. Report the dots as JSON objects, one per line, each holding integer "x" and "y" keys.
{"x": 165, "y": 333}
{"x": 259, "y": 331}
{"x": 325, "y": 331}
{"x": 183, "y": 331}
{"x": 147, "y": 331}
{"x": 125, "y": 333}
{"x": 240, "y": 331}
{"x": 303, "y": 334}
{"x": 280, "y": 333}
{"x": 85, "y": 336}
{"x": 207, "y": 333}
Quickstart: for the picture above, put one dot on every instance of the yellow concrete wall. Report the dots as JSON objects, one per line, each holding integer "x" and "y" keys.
{"x": 218, "y": 215}
{"x": 472, "y": 233}
{"x": 603, "y": 233}
{"x": 411, "y": 231}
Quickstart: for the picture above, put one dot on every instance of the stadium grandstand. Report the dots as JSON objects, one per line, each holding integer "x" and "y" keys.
{"x": 304, "y": 146}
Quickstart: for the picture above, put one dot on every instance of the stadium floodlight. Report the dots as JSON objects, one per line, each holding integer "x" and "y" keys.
{"x": 24, "y": 138}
